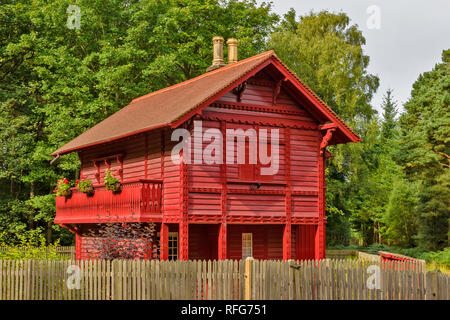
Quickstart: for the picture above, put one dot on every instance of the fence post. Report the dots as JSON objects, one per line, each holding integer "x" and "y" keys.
{"x": 431, "y": 285}
{"x": 248, "y": 278}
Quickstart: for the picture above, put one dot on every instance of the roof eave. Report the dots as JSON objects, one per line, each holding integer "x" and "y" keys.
{"x": 322, "y": 106}
{"x": 61, "y": 150}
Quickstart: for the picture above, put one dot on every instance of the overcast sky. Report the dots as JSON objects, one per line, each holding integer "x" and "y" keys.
{"x": 409, "y": 41}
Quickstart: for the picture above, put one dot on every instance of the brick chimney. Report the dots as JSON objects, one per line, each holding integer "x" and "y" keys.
{"x": 217, "y": 54}
{"x": 232, "y": 50}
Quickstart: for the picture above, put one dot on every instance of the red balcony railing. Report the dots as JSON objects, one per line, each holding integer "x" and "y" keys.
{"x": 138, "y": 201}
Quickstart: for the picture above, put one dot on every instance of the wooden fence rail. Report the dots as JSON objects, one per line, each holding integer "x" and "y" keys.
{"x": 225, "y": 279}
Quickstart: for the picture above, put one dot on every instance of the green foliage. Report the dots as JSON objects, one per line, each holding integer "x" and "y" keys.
{"x": 391, "y": 188}
{"x": 389, "y": 128}
{"x": 63, "y": 188}
{"x": 57, "y": 82}
{"x": 424, "y": 152}
{"x": 325, "y": 50}
{"x": 31, "y": 245}
{"x": 441, "y": 258}
{"x": 85, "y": 186}
{"x": 401, "y": 216}
{"x": 111, "y": 181}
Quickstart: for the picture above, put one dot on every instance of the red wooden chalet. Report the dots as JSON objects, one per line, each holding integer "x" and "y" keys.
{"x": 212, "y": 211}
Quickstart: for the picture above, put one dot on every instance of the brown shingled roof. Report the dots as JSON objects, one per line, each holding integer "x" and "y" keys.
{"x": 166, "y": 106}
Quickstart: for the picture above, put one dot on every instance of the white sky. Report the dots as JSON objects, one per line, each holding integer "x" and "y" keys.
{"x": 410, "y": 40}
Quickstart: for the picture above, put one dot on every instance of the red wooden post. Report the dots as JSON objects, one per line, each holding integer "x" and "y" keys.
{"x": 222, "y": 242}
{"x": 146, "y": 156}
{"x": 287, "y": 243}
{"x": 317, "y": 240}
{"x": 321, "y": 226}
{"x": 164, "y": 242}
{"x": 184, "y": 240}
{"x": 184, "y": 224}
{"x": 77, "y": 245}
{"x": 287, "y": 253}
{"x": 320, "y": 241}
{"x": 320, "y": 233}
{"x": 324, "y": 255}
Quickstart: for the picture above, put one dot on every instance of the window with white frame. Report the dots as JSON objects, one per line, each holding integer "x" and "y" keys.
{"x": 247, "y": 245}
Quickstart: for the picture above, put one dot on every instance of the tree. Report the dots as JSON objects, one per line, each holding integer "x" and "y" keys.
{"x": 424, "y": 150}
{"x": 325, "y": 50}
{"x": 401, "y": 216}
{"x": 57, "y": 82}
{"x": 389, "y": 106}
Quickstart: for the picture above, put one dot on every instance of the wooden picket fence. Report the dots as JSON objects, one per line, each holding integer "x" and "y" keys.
{"x": 225, "y": 279}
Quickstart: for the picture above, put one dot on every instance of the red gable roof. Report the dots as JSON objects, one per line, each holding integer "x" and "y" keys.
{"x": 172, "y": 105}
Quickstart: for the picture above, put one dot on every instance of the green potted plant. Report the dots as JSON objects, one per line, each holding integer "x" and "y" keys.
{"x": 85, "y": 186}
{"x": 111, "y": 181}
{"x": 63, "y": 188}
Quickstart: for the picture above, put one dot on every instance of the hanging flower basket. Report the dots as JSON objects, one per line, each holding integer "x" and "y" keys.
{"x": 63, "y": 188}
{"x": 112, "y": 182}
{"x": 85, "y": 186}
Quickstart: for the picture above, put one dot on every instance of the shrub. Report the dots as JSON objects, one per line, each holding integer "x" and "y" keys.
{"x": 132, "y": 240}
{"x": 111, "y": 181}
{"x": 441, "y": 258}
{"x": 31, "y": 246}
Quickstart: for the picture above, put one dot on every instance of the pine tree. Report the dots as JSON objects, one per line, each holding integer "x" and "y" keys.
{"x": 424, "y": 147}
{"x": 389, "y": 106}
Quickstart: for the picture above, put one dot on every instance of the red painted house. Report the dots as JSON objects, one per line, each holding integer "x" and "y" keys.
{"x": 213, "y": 211}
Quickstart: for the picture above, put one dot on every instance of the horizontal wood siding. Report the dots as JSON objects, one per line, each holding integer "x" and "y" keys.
{"x": 305, "y": 206}
{"x": 171, "y": 181}
{"x": 304, "y": 159}
{"x": 204, "y": 203}
{"x": 154, "y": 155}
{"x": 202, "y": 175}
{"x": 304, "y": 155}
{"x": 255, "y": 205}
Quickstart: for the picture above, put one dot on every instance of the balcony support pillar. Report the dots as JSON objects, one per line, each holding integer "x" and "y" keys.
{"x": 222, "y": 242}
{"x": 164, "y": 242}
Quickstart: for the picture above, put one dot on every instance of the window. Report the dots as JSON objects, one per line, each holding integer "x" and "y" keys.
{"x": 173, "y": 245}
{"x": 252, "y": 172}
{"x": 247, "y": 170}
{"x": 247, "y": 245}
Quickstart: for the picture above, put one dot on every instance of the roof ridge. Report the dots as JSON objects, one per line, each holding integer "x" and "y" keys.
{"x": 185, "y": 82}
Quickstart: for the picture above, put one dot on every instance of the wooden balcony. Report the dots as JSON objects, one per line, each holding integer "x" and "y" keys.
{"x": 138, "y": 201}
